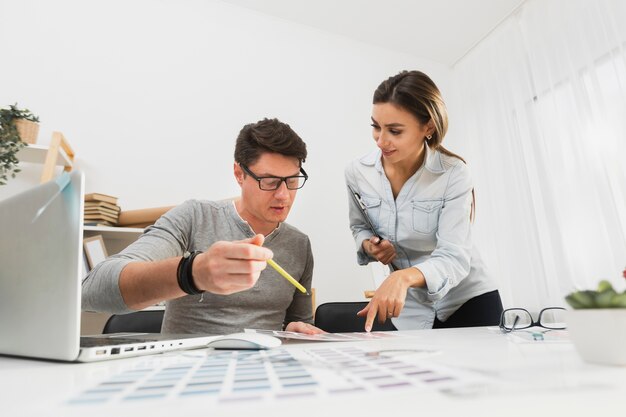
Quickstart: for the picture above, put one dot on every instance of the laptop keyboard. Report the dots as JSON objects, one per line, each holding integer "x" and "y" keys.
{"x": 90, "y": 341}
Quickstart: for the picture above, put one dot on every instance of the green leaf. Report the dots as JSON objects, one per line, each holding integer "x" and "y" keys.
{"x": 604, "y": 285}
{"x": 585, "y": 299}
{"x": 573, "y": 302}
{"x": 10, "y": 141}
{"x": 604, "y": 299}
{"x": 619, "y": 300}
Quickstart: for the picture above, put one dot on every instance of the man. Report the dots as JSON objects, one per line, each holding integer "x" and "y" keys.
{"x": 208, "y": 258}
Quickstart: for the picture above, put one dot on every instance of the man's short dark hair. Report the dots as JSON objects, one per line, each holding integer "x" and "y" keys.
{"x": 268, "y": 135}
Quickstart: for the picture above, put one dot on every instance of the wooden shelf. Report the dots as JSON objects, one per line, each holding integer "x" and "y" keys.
{"x": 114, "y": 233}
{"x": 59, "y": 152}
{"x": 36, "y": 154}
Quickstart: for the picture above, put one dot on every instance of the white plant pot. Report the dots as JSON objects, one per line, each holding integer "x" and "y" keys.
{"x": 599, "y": 335}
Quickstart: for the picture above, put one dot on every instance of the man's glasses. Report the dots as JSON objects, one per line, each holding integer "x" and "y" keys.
{"x": 273, "y": 183}
{"x": 551, "y": 318}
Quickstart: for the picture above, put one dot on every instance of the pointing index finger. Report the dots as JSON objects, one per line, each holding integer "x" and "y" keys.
{"x": 371, "y": 315}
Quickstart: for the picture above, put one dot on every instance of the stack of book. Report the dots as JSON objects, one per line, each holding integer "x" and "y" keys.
{"x": 101, "y": 210}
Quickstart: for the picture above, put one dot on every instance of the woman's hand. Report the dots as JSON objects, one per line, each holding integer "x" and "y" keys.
{"x": 382, "y": 250}
{"x": 301, "y": 327}
{"x": 388, "y": 300}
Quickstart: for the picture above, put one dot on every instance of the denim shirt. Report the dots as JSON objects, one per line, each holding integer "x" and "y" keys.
{"x": 429, "y": 225}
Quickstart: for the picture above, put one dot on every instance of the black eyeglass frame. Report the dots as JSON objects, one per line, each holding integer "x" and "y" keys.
{"x": 532, "y": 322}
{"x": 282, "y": 179}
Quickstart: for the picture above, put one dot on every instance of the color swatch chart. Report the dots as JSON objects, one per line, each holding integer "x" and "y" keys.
{"x": 223, "y": 377}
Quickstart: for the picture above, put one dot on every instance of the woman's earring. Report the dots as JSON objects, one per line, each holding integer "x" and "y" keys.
{"x": 429, "y": 137}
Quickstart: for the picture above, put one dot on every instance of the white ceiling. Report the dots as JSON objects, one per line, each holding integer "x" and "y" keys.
{"x": 438, "y": 30}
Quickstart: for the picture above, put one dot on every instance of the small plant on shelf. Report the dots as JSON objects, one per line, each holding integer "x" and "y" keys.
{"x": 604, "y": 297}
{"x": 18, "y": 127}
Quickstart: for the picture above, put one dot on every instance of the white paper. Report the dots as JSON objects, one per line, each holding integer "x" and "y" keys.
{"x": 327, "y": 337}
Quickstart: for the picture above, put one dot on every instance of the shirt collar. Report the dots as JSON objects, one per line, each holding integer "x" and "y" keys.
{"x": 244, "y": 225}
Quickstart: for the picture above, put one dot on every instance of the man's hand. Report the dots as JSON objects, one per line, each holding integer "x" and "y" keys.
{"x": 300, "y": 327}
{"x": 229, "y": 267}
{"x": 382, "y": 250}
{"x": 388, "y": 300}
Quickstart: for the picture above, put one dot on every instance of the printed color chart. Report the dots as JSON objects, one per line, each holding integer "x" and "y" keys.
{"x": 223, "y": 377}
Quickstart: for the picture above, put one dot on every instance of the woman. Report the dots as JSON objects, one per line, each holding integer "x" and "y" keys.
{"x": 420, "y": 200}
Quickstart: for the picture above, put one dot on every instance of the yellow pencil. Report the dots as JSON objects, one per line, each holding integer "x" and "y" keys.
{"x": 286, "y": 275}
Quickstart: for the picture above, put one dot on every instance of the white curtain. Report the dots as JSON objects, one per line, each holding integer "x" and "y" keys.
{"x": 540, "y": 109}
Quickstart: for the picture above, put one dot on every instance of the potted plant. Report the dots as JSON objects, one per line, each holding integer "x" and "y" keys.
{"x": 597, "y": 324}
{"x": 18, "y": 127}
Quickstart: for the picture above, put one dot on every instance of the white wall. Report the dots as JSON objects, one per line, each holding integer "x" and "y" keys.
{"x": 151, "y": 95}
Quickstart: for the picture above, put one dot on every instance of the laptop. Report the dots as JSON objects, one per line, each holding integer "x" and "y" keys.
{"x": 41, "y": 232}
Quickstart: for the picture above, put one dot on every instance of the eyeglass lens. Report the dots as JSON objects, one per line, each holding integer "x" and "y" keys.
{"x": 516, "y": 318}
{"x": 552, "y": 318}
{"x": 292, "y": 183}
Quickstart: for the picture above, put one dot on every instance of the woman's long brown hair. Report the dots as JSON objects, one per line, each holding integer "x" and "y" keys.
{"x": 416, "y": 93}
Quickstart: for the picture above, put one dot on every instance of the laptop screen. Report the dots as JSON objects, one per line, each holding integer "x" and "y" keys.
{"x": 40, "y": 262}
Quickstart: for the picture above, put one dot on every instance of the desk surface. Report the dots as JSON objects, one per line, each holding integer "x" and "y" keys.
{"x": 493, "y": 374}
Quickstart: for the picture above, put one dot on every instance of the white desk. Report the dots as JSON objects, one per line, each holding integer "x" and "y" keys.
{"x": 519, "y": 379}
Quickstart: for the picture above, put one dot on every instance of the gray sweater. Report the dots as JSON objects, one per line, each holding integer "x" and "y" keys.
{"x": 195, "y": 225}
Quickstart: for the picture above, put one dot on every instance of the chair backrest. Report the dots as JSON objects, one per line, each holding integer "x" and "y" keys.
{"x": 137, "y": 322}
{"x": 340, "y": 317}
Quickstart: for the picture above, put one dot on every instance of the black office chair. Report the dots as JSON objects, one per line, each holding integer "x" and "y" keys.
{"x": 136, "y": 322}
{"x": 340, "y": 317}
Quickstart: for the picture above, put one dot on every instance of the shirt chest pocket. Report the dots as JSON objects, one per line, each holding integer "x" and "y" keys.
{"x": 426, "y": 215}
{"x": 372, "y": 209}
